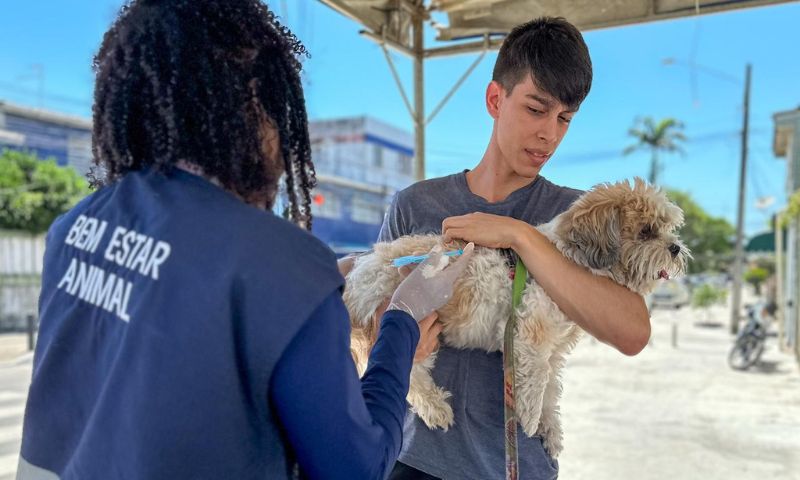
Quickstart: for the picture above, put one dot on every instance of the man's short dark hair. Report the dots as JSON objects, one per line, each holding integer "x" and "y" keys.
{"x": 197, "y": 81}
{"x": 553, "y": 52}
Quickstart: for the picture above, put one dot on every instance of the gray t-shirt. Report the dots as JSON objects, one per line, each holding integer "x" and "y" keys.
{"x": 473, "y": 448}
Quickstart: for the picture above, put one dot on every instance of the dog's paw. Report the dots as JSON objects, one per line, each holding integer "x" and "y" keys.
{"x": 438, "y": 416}
{"x": 552, "y": 440}
{"x": 435, "y": 411}
{"x": 552, "y": 446}
{"x": 529, "y": 423}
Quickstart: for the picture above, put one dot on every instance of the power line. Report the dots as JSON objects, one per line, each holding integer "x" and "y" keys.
{"x": 10, "y": 87}
{"x": 760, "y": 166}
{"x": 284, "y": 11}
{"x": 602, "y": 155}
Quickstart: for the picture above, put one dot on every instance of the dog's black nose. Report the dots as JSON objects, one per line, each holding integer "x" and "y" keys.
{"x": 674, "y": 250}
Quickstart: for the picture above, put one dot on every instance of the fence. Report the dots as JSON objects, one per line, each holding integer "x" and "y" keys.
{"x": 20, "y": 278}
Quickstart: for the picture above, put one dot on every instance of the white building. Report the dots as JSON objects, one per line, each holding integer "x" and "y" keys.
{"x": 65, "y": 138}
{"x": 360, "y": 162}
{"x": 787, "y": 145}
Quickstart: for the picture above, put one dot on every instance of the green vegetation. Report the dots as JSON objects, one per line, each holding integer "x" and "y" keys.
{"x": 705, "y": 296}
{"x": 34, "y": 192}
{"x": 663, "y": 136}
{"x": 710, "y": 239}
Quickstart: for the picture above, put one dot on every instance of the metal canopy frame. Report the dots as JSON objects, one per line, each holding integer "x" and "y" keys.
{"x": 481, "y": 25}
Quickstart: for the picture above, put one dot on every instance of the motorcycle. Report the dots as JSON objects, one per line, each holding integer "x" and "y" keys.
{"x": 749, "y": 343}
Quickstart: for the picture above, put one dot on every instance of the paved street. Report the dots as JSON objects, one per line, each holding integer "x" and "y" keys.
{"x": 14, "y": 379}
{"x": 680, "y": 413}
{"x": 668, "y": 413}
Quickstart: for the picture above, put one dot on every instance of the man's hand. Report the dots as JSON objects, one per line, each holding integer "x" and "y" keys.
{"x": 608, "y": 311}
{"x": 493, "y": 231}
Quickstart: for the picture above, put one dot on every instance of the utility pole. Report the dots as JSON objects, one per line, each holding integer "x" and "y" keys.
{"x": 419, "y": 93}
{"x": 38, "y": 75}
{"x": 38, "y": 68}
{"x": 284, "y": 12}
{"x": 739, "y": 260}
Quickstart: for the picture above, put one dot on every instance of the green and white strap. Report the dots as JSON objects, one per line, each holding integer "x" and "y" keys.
{"x": 512, "y": 457}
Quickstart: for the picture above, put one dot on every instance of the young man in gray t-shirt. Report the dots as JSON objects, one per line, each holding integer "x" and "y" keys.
{"x": 474, "y": 446}
{"x": 542, "y": 74}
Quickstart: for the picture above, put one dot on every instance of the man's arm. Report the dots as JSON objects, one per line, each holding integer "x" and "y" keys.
{"x": 608, "y": 311}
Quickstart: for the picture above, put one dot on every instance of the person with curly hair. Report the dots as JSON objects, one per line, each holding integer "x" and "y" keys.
{"x": 186, "y": 331}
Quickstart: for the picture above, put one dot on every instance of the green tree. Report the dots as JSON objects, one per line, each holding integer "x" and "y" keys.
{"x": 663, "y": 136}
{"x": 710, "y": 239}
{"x": 755, "y": 277}
{"x": 707, "y": 295}
{"x": 767, "y": 263}
{"x": 34, "y": 192}
{"x": 792, "y": 210}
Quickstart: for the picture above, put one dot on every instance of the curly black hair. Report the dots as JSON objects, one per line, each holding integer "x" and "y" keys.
{"x": 201, "y": 82}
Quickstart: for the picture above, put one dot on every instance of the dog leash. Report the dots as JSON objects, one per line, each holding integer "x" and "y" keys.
{"x": 509, "y": 408}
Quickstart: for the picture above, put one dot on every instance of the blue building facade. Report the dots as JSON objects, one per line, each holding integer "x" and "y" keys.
{"x": 361, "y": 162}
{"x": 64, "y": 138}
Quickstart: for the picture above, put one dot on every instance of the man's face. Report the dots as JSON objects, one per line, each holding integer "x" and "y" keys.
{"x": 529, "y": 125}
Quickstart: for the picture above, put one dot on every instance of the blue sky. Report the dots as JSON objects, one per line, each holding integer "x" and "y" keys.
{"x": 347, "y": 75}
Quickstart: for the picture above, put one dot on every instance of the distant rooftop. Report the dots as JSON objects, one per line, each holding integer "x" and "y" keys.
{"x": 45, "y": 115}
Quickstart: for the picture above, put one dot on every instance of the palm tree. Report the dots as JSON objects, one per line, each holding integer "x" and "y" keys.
{"x": 663, "y": 136}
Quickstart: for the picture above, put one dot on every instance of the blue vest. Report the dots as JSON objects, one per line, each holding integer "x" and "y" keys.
{"x": 166, "y": 303}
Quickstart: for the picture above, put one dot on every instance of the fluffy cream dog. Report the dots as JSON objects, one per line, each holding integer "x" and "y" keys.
{"x": 616, "y": 230}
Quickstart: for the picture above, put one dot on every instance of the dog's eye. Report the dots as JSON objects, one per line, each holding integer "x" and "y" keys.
{"x": 646, "y": 233}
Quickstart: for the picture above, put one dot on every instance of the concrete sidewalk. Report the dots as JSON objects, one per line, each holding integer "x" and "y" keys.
{"x": 680, "y": 413}
{"x": 15, "y": 377}
{"x": 668, "y": 413}
{"x": 12, "y": 345}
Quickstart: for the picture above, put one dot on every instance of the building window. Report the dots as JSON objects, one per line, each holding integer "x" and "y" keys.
{"x": 365, "y": 212}
{"x": 377, "y": 156}
{"x": 405, "y": 164}
{"x": 326, "y": 205}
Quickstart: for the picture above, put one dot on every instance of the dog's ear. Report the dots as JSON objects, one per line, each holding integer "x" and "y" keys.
{"x": 589, "y": 231}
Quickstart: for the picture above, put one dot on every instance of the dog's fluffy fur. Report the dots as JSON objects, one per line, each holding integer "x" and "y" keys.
{"x": 621, "y": 231}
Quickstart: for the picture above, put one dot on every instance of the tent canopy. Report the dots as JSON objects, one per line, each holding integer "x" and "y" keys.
{"x": 480, "y": 25}
{"x": 392, "y": 19}
{"x": 764, "y": 242}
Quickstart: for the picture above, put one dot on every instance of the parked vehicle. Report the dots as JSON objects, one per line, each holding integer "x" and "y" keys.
{"x": 669, "y": 294}
{"x": 718, "y": 280}
{"x": 749, "y": 343}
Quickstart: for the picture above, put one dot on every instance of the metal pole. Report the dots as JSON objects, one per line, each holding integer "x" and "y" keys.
{"x": 795, "y": 303}
{"x": 30, "y": 321}
{"x": 674, "y": 335}
{"x": 397, "y": 81}
{"x": 780, "y": 314}
{"x": 455, "y": 88}
{"x": 419, "y": 97}
{"x": 739, "y": 260}
{"x": 464, "y": 48}
{"x": 39, "y": 69}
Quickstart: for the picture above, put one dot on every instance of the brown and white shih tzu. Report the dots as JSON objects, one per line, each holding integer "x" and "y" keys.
{"x": 621, "y": 231}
